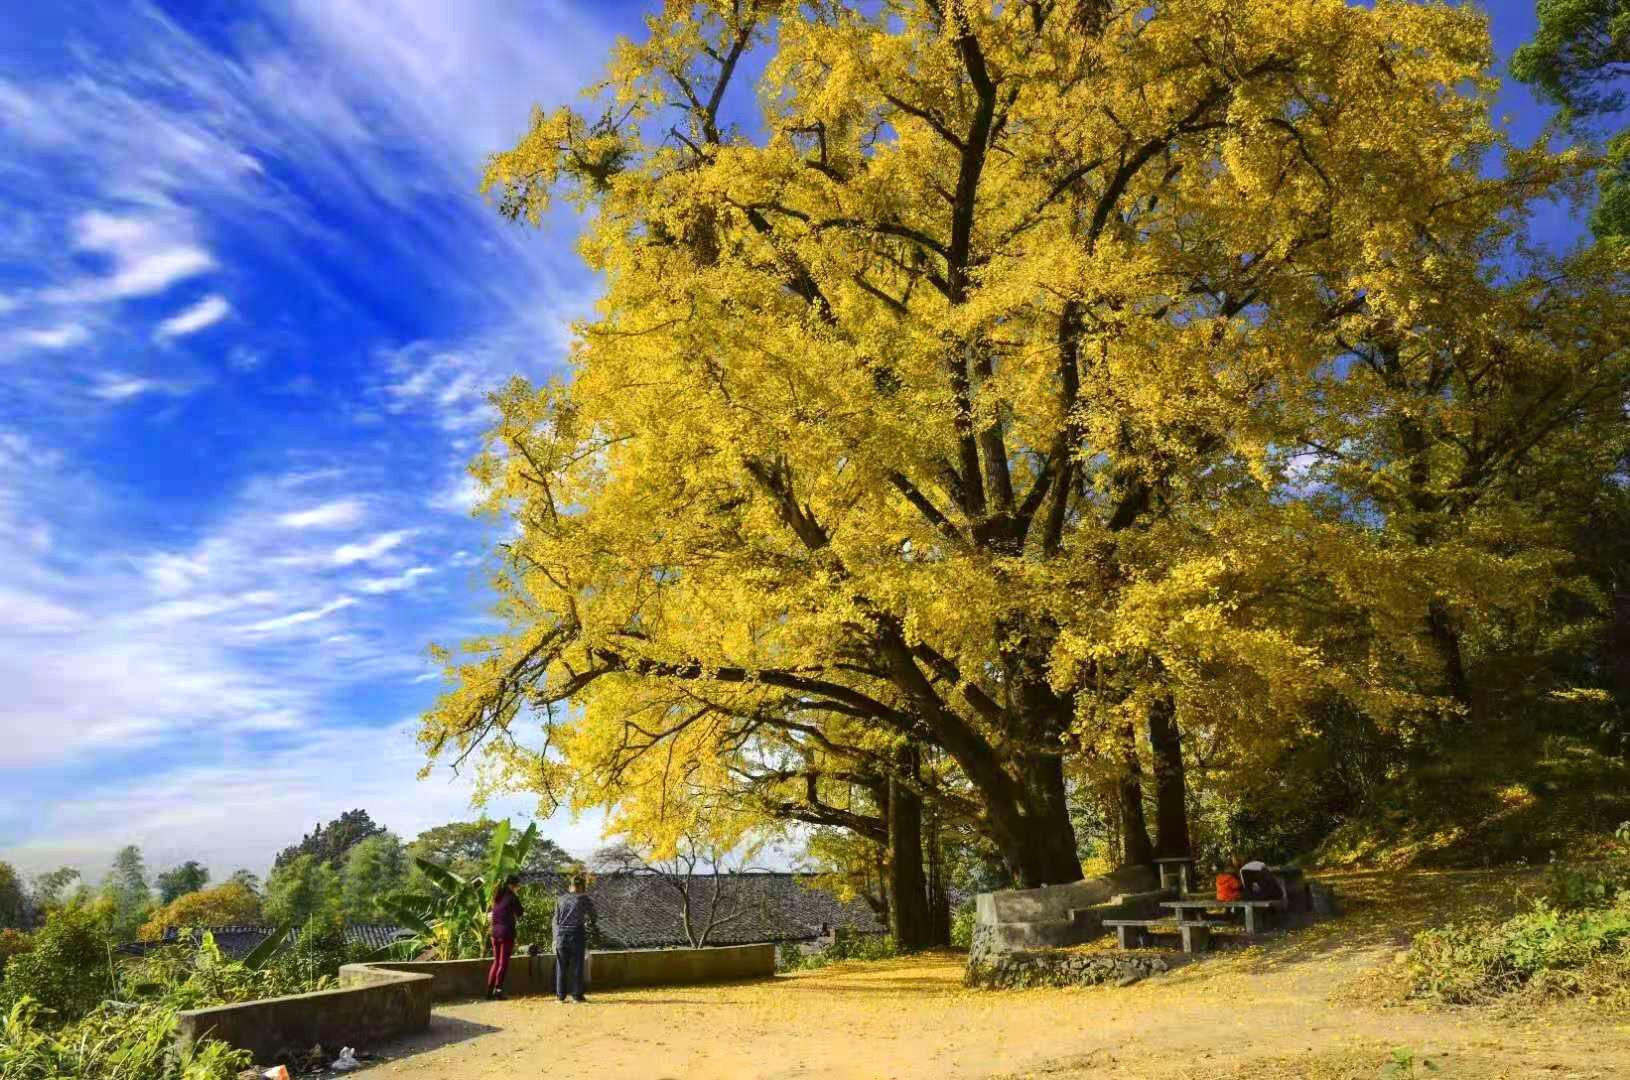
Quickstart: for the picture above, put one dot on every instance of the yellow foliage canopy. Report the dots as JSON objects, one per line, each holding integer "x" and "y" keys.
{"x": 1034, "y": 364}
{"x": 231, "y": 904}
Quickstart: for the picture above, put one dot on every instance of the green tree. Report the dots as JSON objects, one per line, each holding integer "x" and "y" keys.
{"x": 463, "y": 847}
{"x": 301, "y": 889}
{"x": 181, "y": 880}
{"x": 248, "y": 880}
{"x": 331, "y": 842}
{"x": 48, "y": 888}
{"x": 13, "y": 901}
{"x": 375, "y": 867}
{"x": 126, "y": 888}
{"x": 1579, "y": 59}
{"x": 67, "y": 968}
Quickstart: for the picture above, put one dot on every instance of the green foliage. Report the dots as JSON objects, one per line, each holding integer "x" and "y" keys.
{"x": 1478, "y": 962}
{"x": 463, "y": 847}
{"x": 1502, "y": 793}
{"x": 108, "y": 1044}
{"x": 126, "y": 888}
{"x": 178, "y": 881}
{"x": 452, "y": 919}
{"x": 849, "y": 946}
{"x": 12, "y": 943}
{"x": 1404, "y": 1062}
{"x": 374, "y": 868}
{"x": 1579, "y": 60}
{"x": 536, "y": 924}
{"x": 303, "y": 888}
{"x": 962, "y": 924}
{"x": 48, "y": 888}
{"x": 68, "y": 969}
{"x": 330, "y": 843}
{"x": 13, "y": 903}
{"x": 1582, "y": 48}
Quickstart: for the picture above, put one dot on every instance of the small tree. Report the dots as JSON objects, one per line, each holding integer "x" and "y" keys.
{"x": 374, "y": 868}
{"x": 67, "y": 968}
{"x": 181, "y": 880}
{"x": 13, "y": 901}
{"x": 126, "y": 888}
{"x": 331, "y": 842}
{"x": 703, "y": 890}
{"x": 230, "y": 904}
{"x": 48, "y": 888}
{"x": 302, "y": 889}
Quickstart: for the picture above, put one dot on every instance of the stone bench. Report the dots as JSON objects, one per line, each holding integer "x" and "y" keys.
{"x": 1251, "y": 910}
{"x": 1134, "y": 933}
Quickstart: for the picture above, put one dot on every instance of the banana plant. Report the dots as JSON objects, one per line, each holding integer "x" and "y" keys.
{"x": 452, "y": 921}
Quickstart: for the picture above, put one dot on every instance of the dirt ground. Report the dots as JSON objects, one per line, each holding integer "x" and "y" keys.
{"x": 1321, "y": 1004}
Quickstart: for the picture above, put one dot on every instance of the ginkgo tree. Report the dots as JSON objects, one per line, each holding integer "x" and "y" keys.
{"x": 952, "y": 399}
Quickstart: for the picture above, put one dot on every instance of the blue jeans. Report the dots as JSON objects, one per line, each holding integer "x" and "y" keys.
{"x": 571, "y": 951}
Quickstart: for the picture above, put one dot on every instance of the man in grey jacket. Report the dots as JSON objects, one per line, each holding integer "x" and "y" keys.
{"x": 574, "y": 920}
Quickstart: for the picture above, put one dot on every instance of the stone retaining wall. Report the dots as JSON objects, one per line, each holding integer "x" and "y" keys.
{"x": 373, "y": 1008}
{"x": 380, "y": 1001}
{"x": 1017, "y": 970}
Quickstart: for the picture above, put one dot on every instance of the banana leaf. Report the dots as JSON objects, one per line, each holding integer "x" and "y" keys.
{"x": 267, "y": 949}
{"x": 406, "y": 915}
{"x": 497, "y": 849}
{"x": 440, "y": 875}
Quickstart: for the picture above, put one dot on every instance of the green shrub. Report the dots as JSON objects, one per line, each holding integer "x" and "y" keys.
{"x": 1474, "y": 963}
{"x": 848, "y": 946}
{"x": 107, "y": 1044}
{"x": 68, "y": 970}
{"x": 12, "y": 943}
{"x": 962, "y": 923}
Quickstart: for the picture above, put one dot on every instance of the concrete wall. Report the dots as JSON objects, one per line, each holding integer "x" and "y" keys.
{"x": 371, "y": 1009}
{"x": 1057, "y": 915}
{"x": 380, "y": 1001}
{"x": 606, "y": 970}
{"x": 663, "y": 967}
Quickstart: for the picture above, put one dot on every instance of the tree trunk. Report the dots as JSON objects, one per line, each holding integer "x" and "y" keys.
{"x": 909, "y": 908}
{"x": 1171, "y": 790}
{"x": 1446, "y": 640}
{"x": 1136, "y": 850}
{"x": 939, "y": 900}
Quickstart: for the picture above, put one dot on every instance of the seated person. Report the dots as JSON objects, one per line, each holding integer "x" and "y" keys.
{"x": 1259, "y": 883}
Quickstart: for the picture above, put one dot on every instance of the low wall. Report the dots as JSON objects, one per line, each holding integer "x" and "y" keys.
{"x": 606, "y": 970}
{"x": 368, "y": 1010}
{"x": 379, "y": 1001}
{"x": 665, "y": 967}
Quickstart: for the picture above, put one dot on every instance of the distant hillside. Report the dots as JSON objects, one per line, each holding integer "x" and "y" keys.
{"x": 1495, "y": 801}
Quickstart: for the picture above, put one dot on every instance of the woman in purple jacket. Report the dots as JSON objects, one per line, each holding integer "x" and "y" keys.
{"x": 506, "y": 908}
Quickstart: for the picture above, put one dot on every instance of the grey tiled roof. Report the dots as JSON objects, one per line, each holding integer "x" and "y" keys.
{"x": 236, "y": 942}
{"x": 643, "y": 911}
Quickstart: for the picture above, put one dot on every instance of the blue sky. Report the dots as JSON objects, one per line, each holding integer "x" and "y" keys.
{"x": 249, "y": 306}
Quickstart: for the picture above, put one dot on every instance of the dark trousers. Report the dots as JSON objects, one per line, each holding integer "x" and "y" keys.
{"x": 501, "y": 950}
{"x": 571, "y": 951}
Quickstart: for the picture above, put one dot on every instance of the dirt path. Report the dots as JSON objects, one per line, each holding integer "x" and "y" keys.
{"x": 1285, "y": 1009}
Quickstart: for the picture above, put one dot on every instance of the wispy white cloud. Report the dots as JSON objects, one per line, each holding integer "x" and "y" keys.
{"x": 207, "y": 312}
{"x": 111, "y": 387}
{"x": 149, "y": 255}
{"x": 370, "y": 549}
{"x": 401, "y": 582}
{"x": 56, "y": 337}
{"x": 331, "y": 515}
{"x": 283, "y": 622}
{"x": 459, "y": 497}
